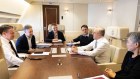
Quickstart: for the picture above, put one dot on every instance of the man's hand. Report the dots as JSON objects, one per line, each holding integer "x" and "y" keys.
{"x": 74, "y": 49}
{"x": 31, "y": 50}
{"x": 110, "y": 73}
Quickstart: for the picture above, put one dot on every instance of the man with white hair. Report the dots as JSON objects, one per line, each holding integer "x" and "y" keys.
{"x": 97, "y": 49}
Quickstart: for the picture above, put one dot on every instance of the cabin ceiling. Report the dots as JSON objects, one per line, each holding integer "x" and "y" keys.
{"x": 68, "y": 1}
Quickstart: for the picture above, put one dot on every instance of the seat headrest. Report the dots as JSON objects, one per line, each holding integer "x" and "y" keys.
{"x": 117, "y": 32}
{"x": 60, "y": 28}
{"x": 17, "y": 26}
{"x": 90, "y": 30}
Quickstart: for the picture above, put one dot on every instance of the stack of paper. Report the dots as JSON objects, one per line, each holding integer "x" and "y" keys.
{"x": 63, "y": 50}
{"x": 43, "y": 45}
{"x": 59, "y": 55}
{"x": 98, "y": 77}
{"x": 54, "y": 50}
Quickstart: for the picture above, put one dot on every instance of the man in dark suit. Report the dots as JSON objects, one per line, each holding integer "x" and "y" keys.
{"x": 55, "y": 35}
{"x": 26, "y": 43}
{"x": 84, "y": 38}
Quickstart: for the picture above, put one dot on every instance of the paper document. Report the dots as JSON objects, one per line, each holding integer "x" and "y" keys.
{"x": 44, "y": 53}
{"x": 59, "y": 55}
{"x": 43, "y": 45}
{"x": 98, "y": 77}
{"x": 61, "y": 77}
{"x": 54, "y": 50}
{"x": 63, "y": 50}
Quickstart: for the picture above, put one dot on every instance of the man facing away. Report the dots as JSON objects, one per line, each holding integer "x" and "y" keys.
{"x": 84, "y": 38}
{"x": 9, "y": 49}
{"x": 26, "y": 43}
{"x": 98, "y": 49}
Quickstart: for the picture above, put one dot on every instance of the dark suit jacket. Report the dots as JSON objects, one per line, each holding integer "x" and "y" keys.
{"x": 84, "y": 40}
{"x": 130, "y": 68}
{"x": 22, "y": 44}
{"x": 51, "y": 36}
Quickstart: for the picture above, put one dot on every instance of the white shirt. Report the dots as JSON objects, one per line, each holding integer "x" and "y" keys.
{"x": 29, "y": 42}
{"x": 100, "y": 54}
{"x": 9, "y": 54}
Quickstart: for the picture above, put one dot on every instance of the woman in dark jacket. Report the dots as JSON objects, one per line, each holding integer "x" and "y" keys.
{"x": 131, "y": 65}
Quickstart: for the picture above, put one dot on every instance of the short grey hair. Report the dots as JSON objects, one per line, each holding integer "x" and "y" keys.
{"x": 26, "y": 27}
{"x": 135, "y": 37}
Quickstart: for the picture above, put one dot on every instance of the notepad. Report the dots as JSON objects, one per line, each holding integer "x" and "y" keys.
{"x": 59, "y": 55}
{"x": 44, "y": 53}
{"x": 54, "y": 50}
{"x": 98, "y": 77}
{"x": 63, "y": 50}
{"x": 61, "y": 77}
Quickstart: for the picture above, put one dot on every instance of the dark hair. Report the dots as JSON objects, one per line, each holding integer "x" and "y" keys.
{"x": 135, "y": 37}
{"x": 27, "y": 27}
{"x": 5, "y": 28}
{"x": 85, "y": 26}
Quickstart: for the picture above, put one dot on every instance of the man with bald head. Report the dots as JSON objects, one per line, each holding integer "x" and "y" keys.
{"x": 98, "y": 49}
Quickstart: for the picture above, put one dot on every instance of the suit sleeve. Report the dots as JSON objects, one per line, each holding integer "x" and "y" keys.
{"x": 76, "y": 39}
{"x": 62, "y": 37}
{"x": 49, "y": 37}
{"x": 19, "y": 44}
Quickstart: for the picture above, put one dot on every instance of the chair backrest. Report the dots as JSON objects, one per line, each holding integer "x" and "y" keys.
{"x": 3, "y": 66}
{"x": 17, "y": 27}
{"x": 117, "y": 54}
{"x": 117, "y": 35}
{"x": 60, "y": 28}
{"x": 90, "y": 30}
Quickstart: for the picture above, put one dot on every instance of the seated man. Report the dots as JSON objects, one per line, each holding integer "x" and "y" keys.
{"x": 26, "y": 43}
{"x": 55, "y": 35}
{"x": 131, "y": 65}
{"x": 98, "y": 49}
{"x": 10, "y": 53}
{"x": 85, "y": 38}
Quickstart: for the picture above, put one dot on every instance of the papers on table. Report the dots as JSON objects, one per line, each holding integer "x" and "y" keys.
{"x": 61, "y": 77}
{"x": 63, "y": 50}
{"x": 59, "y": 55}
{"x": 98, "y": 77}
{"x": 59, "y": 40}
{"x": 54, "y": 50}
{"x": 74, "y": 43}
{"x": 43, "y": 45}
{"x": 44, "y": 53}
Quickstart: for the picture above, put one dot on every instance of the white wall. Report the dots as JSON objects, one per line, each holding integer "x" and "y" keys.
{"x": 13, "y": 6}
{"x": 33, "y": 16}
{"x": 73, "y": 20}
{"x": 98, "y": 14}
{"x": 124, "y": 13}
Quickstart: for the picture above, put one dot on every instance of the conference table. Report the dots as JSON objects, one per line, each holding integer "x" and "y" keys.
{"x": 57, "y": 66}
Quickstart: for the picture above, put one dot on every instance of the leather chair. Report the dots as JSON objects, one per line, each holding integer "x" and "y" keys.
{"x": 117, "y": 38}
{"x": 3, "y": 66}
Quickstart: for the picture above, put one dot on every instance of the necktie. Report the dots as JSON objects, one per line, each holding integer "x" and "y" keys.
{"x": 13, "y": 48}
